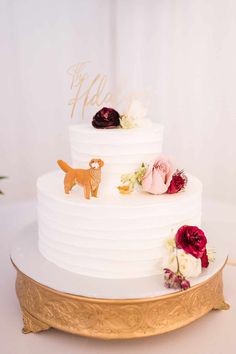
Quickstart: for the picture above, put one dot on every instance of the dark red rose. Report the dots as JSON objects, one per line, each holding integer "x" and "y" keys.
{"x": 192, "y": 240}
{"x": 204, "y": 260}
{"x": 178, "y": 182}
{"x": 106, "y": 118}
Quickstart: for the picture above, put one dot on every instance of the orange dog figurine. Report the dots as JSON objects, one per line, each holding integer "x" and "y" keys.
{"x": 89, "y": 179}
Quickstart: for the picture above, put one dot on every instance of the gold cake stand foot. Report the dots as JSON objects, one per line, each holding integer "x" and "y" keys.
{"x": 32, "y": 324}
{"x": 44, "y": 307}
{"x": 221, "y": 306}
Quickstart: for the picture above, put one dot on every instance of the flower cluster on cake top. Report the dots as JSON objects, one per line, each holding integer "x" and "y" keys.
{"x": 157, "y": 178}
{"x": 187, "y": 255}
{"x": 109, "y": 118}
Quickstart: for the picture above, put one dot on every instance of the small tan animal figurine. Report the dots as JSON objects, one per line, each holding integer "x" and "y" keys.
{"x": 89, "y": 179}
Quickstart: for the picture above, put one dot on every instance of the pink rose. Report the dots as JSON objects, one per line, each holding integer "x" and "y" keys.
{"x": 158, "y": 176}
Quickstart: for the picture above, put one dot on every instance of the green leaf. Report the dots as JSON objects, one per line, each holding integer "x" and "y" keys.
{"x": 131, "y": 179}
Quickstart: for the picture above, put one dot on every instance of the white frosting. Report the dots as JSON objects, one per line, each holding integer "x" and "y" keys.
{"x": 122, "y": 150}
{"x": 113, "y": 236}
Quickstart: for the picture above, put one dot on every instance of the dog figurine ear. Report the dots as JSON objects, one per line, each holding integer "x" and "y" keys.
{"x": 101, "y": 163}
{"x": 91, "y": 163}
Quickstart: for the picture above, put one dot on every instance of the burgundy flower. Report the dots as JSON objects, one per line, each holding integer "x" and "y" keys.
{"x": 172, "y": 280}
{"x": 204, "y": 260}
{"x": 106, "y": 118}
{"x": 192, "y": 240}
{"x": 185, "y": 284}
{"x": 175, "y": 281}
{"x": 178, "y": 182}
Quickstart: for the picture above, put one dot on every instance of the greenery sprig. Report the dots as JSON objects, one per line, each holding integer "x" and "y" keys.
{"x": 130, "y": 180}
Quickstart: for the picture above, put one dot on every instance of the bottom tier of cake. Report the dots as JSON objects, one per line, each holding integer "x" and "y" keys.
{"x": 111, "y": 236}
{"x": 107, "y": 308}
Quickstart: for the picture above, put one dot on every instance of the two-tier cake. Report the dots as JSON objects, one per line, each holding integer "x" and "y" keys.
{"x": 114, "y": 235}
{"x": 120, "y": 253}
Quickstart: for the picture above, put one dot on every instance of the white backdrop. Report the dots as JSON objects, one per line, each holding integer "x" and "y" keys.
{"x": 182, "y": 53}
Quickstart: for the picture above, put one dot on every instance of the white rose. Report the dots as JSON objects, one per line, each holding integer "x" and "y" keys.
{"x": 127, "y": 122}
{"x": 137, "y": 115}
{"x": 189, "y": 266}
{"x": 137, "y": 110}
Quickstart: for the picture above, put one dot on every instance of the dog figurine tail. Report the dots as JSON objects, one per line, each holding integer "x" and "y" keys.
{"x": 64, "y": 166}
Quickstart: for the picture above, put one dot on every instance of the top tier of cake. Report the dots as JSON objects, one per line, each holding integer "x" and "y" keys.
{"x": 122, "y": 150}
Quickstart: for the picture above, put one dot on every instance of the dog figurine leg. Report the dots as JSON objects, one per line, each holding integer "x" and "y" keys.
{"x": 87, "y": 191}
{"x": 95, "y": 192}
{"x": 68, "y": 184}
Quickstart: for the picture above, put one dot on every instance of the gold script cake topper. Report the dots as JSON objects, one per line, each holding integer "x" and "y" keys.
{"x": 91, "y": 90}
{"x": 88, "y": 90}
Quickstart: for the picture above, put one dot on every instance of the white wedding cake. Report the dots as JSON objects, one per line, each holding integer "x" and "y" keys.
{"x": 114, "y": 235}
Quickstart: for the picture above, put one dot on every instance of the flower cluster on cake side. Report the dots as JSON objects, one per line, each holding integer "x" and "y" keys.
{"x": 187, "y": 255}
{"x": 158, "y": 177}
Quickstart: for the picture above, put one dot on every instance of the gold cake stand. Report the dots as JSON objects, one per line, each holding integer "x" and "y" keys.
{"x": 43, "y": 307}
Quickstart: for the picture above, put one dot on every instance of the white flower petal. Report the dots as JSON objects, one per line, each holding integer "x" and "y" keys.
{"x": 137, "y": 110}
{"x": 189, "y": 266}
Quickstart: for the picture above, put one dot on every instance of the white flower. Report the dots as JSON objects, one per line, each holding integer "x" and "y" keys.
{"x": 127, "y": 122}
{"x": 189, "y": 266}
{"x": 170, "y": 244}
{"x": 135, "y": 116}
{"x": 137, "y": 110}
{"x": 211, "y": 254}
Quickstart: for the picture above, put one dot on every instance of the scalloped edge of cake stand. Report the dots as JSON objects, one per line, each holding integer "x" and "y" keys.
{"x": 43, "y": 308}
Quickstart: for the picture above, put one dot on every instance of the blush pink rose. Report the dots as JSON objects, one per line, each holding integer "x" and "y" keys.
{"x": 158, "y": 177}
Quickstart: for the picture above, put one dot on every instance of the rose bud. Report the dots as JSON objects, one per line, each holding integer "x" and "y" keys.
{"x": 185, "y": 284}
{"x": 106, "y": 118}
{"x": 205, "y": 260}
{"x": 172, "y": 280}
{"x": 178, "y": 182}
{"x": 168, "y": 273}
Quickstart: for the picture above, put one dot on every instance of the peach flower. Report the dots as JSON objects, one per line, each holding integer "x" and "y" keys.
{"x": 158, "y": 176}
